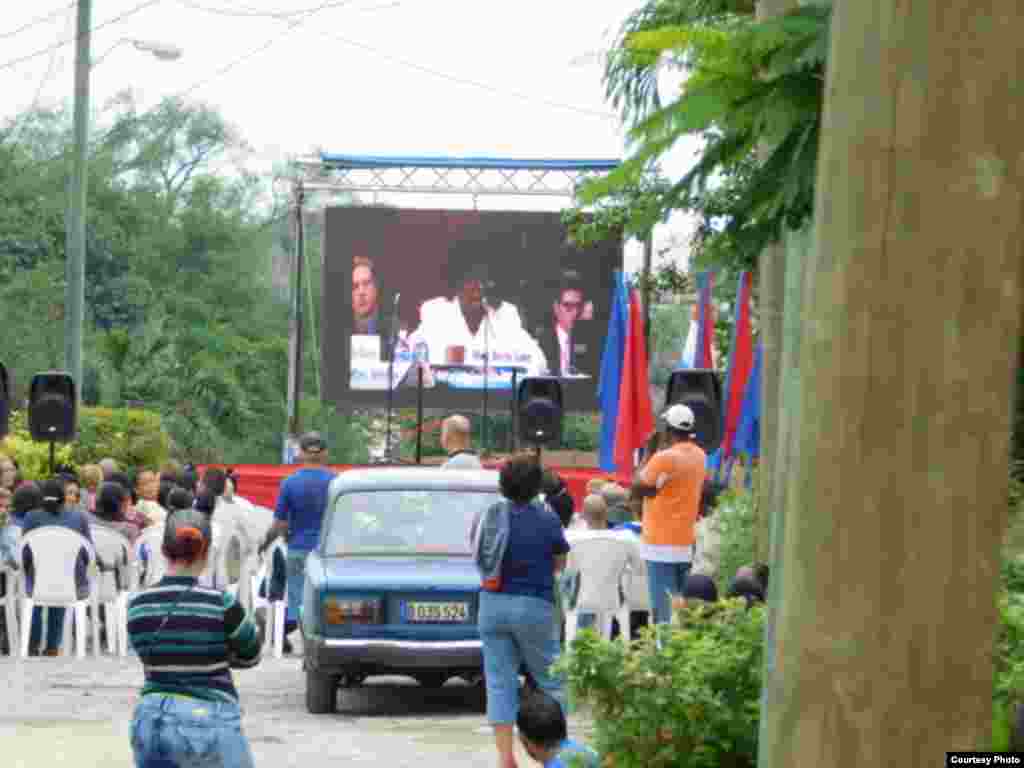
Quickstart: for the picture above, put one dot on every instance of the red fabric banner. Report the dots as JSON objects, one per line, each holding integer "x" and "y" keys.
{"x": 259, "y": 482}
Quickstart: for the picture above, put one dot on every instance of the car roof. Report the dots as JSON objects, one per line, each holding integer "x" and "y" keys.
{"x": 414, "y": 479}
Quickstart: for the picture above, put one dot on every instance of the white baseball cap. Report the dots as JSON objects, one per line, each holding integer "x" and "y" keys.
{"x": 679, "y": 417}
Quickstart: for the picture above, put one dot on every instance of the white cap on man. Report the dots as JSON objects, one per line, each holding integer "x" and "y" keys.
{"x": 679, "y": 417}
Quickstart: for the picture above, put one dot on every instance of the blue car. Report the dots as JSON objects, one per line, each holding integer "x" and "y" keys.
{"x": 392, "y": 587}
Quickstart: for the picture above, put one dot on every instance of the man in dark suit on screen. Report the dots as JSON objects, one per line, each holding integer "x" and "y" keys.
{"x": 567, "y": 352}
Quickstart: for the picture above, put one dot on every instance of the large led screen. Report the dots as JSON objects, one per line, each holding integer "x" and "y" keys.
{"x": 447, "y": 291}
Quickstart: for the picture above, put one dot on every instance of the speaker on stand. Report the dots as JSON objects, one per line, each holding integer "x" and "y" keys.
{"x": 539, "y": 411}
{"x": 53, "y": 409}
{"x": 701, "y": 390}
{"x": 5, "y": 401}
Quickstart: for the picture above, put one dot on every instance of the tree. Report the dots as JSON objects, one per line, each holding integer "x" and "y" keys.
{"x": 753, "y": 93}
{"x": 898, "y": 479}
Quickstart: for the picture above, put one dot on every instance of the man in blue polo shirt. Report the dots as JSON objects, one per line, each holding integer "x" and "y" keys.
{"x": 301, "y": 503}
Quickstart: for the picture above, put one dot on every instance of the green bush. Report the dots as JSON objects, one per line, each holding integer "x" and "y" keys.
{"x": 581, "y": 432}
{"x": 735, "y": 520}
{"x": 33, "y": 458}
{"x": 133, "y": 437}
{"x": 347, "y": 433}
{"x": 1008, "y": 691}
{"x": 695, "y": 703}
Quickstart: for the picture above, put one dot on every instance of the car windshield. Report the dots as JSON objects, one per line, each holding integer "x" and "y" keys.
{"x": 404, "y": 522}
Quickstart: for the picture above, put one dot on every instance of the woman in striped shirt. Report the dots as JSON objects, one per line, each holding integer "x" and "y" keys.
{"x": 189, "y": 638}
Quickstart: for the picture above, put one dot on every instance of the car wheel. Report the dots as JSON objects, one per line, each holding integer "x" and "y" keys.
{"x": 432, "y": 679}
{"x": 321, "y": 693}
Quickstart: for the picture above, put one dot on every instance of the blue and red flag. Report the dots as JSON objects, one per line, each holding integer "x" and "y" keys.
{"x": 704, "y": 354}
{"x": 741, "y": 362}
{"x": 748, "y": 432}
{"x": 610, "y": 381}
{"x": 635, "y": 421}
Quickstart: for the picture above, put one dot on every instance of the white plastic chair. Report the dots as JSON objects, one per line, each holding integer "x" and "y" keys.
{"x": 636, "y": 597}
{"x": 276, "y": 609}
{"x": 600, "y": 558}
{"x": 148, "y": 551}
{"x": 113, "y": 549}
{"x": 55, "y": 551}
{"x": 214, "y": 575}
{"x": 13, "y": 584}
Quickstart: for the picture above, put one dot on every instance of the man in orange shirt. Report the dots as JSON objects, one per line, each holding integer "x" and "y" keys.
{"x": 670, "y": 484}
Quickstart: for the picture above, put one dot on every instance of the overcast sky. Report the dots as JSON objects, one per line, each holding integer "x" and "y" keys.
{"x": 387, "y": 77}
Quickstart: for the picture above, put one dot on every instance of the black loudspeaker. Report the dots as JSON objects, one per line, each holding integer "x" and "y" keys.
{"x": 701, "y": 390}
{"x": 5, "y": 401}
{"x": 53, "y": 407}
{"x": 539, "y": 402}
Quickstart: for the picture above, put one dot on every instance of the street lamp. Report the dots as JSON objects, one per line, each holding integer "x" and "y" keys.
{"x": 74, "y": 314}
{"x": 162, "y": 51}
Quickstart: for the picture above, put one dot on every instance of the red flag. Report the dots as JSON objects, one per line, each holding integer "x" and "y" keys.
{"x": 636, "y": 415}
{"x": 741, "y": 364}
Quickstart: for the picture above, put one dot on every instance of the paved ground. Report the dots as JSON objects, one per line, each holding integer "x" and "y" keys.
{"x": 61, "y": 712}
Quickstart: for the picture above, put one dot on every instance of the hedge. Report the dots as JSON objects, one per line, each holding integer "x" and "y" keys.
{"x": 131, "y": 436}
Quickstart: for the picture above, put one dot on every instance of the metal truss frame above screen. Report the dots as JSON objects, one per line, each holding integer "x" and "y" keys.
{"x": 449, "y": 175}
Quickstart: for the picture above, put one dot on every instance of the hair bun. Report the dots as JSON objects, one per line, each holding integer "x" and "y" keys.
{"x": 187, "y": 535}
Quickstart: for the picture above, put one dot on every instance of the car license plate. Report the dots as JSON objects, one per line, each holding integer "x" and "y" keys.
{"x": 436, "y": 612}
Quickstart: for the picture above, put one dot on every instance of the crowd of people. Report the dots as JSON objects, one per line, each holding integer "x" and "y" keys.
{"x": 521, "y": 546}
{"x": 103, "y": 495}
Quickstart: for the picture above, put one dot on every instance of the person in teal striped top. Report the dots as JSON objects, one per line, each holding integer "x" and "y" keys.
{"x": 188, "y": 639}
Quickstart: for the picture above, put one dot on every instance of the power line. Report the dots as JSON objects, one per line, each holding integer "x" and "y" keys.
{"x": 42, "y": 52}
{"x": 34, "y": 22}
{"x": 383, "y": 54}
{"x": 49, "y": 68}
{"x": 244, "y": 12}
{"x": 467, "y": 81}
{"x": 292, "y": 26}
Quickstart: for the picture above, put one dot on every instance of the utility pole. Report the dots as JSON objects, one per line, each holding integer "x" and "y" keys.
{"x": 297, "y": 330}
{"x": 74, "y": 309}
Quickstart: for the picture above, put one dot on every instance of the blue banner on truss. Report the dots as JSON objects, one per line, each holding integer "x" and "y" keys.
{"x": 492, "y": 163}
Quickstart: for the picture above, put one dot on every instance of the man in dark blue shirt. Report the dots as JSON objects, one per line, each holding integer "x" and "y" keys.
{"x": 301, "y": 503}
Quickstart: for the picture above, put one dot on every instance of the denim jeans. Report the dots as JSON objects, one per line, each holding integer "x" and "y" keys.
{"x": 516, "y": 631}
{"x": 54, "y": 628}
{"x": 179, "y": 732}
{"x": 664, "y": 579}
{"x": 296, "y": 580}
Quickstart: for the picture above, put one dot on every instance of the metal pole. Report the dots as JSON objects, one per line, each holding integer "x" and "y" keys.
{"x": 419, "y": 412}
{"x": 74, "y": 310}
{"x": 297, "y": 331}
{"x": 487, "y": 366}
{"x": 648, "y": 259}
{"x": 514, "y": 411}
